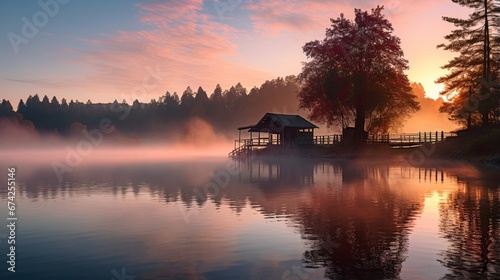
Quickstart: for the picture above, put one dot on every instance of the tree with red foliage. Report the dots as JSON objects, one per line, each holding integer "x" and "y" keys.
{"x": 356, "y": 75}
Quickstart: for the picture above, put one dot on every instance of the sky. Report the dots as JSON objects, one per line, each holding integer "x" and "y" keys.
{"x": 128, "y": 49}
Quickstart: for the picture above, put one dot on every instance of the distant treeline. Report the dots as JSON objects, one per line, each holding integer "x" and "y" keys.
{"x": 224, "y": 110}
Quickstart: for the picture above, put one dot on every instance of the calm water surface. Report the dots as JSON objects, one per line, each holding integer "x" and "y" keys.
{"x": 257, "y": 219}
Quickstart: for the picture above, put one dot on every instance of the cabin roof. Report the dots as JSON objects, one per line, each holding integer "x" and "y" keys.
{"x": 272, "y": 122}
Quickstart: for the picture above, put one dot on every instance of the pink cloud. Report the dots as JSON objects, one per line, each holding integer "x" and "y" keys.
{"x": 183, "y": 47}
{"x": 272, "y": 17}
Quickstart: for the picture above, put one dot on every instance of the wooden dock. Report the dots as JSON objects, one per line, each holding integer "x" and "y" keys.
{"x": 395, "y": 141}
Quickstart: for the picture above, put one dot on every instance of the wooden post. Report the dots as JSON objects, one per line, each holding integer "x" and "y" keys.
{"x": 442, "y": 135}
{"x": 436, "y": 138}
{"x": 239, "y": 139}
{"x": 425, "y": 136}
{"x": 419, "y": 137}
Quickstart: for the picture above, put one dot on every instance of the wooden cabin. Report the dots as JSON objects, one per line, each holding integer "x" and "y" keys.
{"x": 276, "y": 130}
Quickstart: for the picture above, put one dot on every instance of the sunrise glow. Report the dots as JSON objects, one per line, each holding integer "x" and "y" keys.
{"x": 106, "y": 51}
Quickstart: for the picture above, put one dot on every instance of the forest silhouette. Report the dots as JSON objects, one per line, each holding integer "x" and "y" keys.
{"x": 168, "y": 116}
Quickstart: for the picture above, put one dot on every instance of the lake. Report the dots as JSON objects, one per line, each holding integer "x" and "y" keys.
{"x": 219, "y": 218}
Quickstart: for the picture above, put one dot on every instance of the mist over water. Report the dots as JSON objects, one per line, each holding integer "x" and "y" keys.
{"x": 23, "y": 145}
{"x": 58, "y": 158}
{"x": 59, "y": 163}
{"x": 110, "y": 154}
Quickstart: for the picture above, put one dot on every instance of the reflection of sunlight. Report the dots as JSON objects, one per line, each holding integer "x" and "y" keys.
{"x": 432, "y": 202}
{"x": 425, "y": 241}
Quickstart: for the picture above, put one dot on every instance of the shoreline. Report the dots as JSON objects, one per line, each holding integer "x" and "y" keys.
{"x": 479, "y": 145}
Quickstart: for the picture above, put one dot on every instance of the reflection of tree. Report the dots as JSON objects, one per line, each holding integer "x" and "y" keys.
{"x": 264, "y": 182}
{"x": 358, "y": 231}
{"x": 470, "y": 220}
{"x": 274, "y": 186}
{"x": 169, "y": 181}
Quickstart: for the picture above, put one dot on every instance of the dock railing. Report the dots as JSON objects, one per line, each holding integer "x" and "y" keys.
{"x": 419, "y": 138}
{"x": 327, "y": 139}
{"x": 404, "y": 140}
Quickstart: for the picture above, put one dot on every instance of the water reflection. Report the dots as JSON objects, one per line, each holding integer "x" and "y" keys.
{"x": 470, "y": 220}
{"x": 359, "y": 230}
{"x": 272, "y": 219}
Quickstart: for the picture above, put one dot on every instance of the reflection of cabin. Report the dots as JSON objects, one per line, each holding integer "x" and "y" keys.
{"x": 276, "y": 130}
{"x": 275, "y": 172}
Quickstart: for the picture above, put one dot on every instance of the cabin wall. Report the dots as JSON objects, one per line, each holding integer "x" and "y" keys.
{"x": 305, "y": 138}
{"x": 295, "y": 136}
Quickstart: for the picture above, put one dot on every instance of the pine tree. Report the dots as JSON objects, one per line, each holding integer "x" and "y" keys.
{"x": 471, "y": 83}
{"x": 217, "y": 94}
{"x": 187, "y": 97}
{"x": 5, "y": 108}
{"x": 21, "y": 107}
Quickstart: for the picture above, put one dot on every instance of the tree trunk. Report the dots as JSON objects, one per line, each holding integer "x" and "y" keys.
{"x": 486, "y": 65}
{"x": 359, "y": 127}
{"x": 469, "y": 120}
{"x": 360, "y": 88}
{"x": 485, "y": 120}
{"x": 469, "y": 113}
